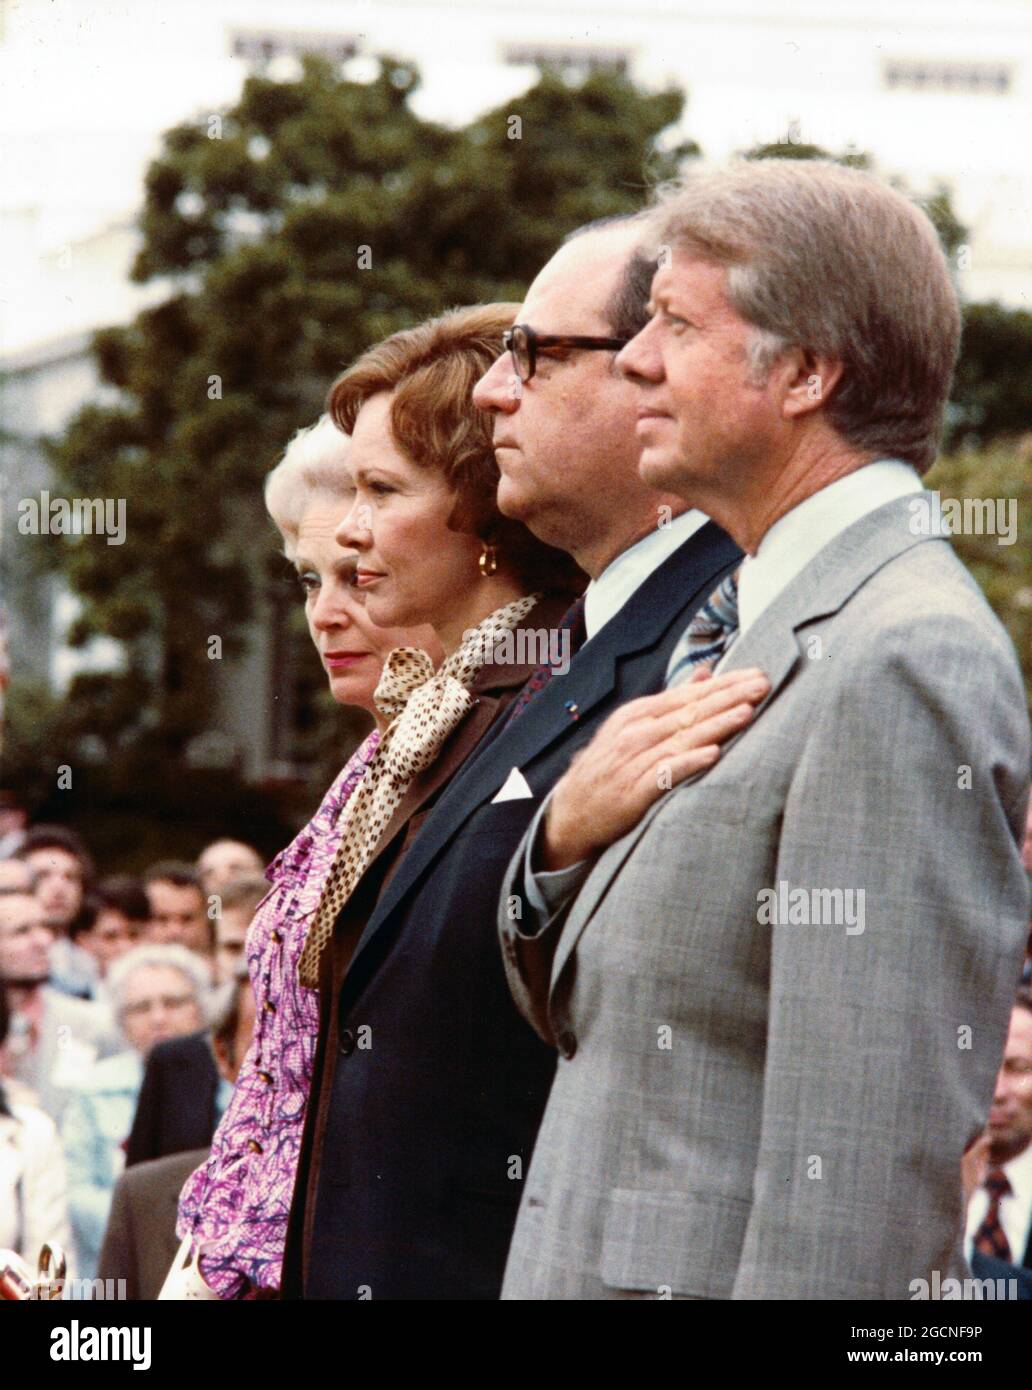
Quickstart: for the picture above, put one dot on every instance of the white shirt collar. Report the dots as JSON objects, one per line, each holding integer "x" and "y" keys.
{"x": 794, "y": 539}
{"x": 1015, "y": 1208}
{"x": 1019, "y": 1172}
{"x": 606, "y": 595}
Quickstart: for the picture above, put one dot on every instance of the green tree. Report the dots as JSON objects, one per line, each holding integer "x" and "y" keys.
{"x": 992, "y": 392}
{"x": 1001, "y": 565}
{"x": 308, "y": 221}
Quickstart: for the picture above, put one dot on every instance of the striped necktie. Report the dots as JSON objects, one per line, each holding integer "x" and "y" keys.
{"x": 990, "y": 1238}
{"x": 711, "y": 632}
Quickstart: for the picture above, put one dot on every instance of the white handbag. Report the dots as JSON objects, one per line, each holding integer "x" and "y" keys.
{"x": 184, "y": 1280}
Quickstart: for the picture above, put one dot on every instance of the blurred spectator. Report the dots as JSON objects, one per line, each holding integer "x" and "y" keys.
{"x": 177, "y": 907}
{"x": 188, "y": 1082}
{"x": 224, "y": 860}
{"x": 180, "y": 1102}
{"x": 158, "y": 992}
{"x": 121, "y": 914}
{"x": 63, "y": 869}
{"x": 33, "y": 1199}
{"x": 140, "y": 1241}
{"x": 997, "y": 1169}
{"x": 14, "y": 817}
{"x": 238, "y": 899}
{"x": 1026, "y": 848}
{"x": 55, "y": 1039}
{"x": 64, "y": 872}
{"x": 234, "y": 1028}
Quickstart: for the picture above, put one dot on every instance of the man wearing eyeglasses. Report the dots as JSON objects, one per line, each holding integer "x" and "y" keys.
{"x": 564, "y": 431}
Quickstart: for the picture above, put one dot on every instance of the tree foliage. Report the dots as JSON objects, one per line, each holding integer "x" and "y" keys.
{"x": 1000, "y": 475}
{"x": 992, "y": 391}
{"x": 295, "y": 229}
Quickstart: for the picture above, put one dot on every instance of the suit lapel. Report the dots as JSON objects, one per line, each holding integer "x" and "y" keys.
{"x": 823, "y": 587}
{"x": 492, "y": 681}
{"x": 775, "y": 650}
{"x": 774, "y": 645}
{"x": 640, "y": 624}
{"x": 423, "y": 788}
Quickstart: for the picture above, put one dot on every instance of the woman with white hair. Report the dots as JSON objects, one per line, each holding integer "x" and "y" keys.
{"x": 236, "y": 1212}
{"x": 156, "y": 992}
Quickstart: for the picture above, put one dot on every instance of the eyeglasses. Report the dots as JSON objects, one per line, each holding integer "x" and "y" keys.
{"x": 522, "y": 343}
{"x": 168, "y": 1002}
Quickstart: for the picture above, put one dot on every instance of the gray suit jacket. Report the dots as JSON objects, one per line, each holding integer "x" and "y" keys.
{"x": 755, "y": 1102}
{"x": 140, "y": 1241}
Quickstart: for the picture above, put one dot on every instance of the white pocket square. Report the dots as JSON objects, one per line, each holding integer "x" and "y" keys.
{"x": 514, "y": 788}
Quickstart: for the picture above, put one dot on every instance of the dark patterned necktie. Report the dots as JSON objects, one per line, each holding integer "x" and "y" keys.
{"x": 990, "y": 1238}
{"x": 710, "y": 632}
{"x": 572, "y": 622}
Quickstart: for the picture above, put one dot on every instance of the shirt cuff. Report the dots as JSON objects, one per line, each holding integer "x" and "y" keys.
{"x": 546, "y": 893}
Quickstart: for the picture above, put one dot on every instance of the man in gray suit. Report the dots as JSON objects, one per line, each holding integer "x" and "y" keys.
{"x": 780, "y": 988}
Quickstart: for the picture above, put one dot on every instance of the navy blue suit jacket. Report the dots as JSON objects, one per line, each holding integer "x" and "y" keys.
{"x": 176, "y": 1110}
{"x": 429, "y": 1085}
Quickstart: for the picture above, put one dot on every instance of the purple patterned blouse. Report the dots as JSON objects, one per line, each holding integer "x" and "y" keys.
{"x": 237, "y": 1203}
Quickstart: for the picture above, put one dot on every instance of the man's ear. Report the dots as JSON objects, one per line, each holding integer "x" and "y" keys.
{"x": 810, "y": 380}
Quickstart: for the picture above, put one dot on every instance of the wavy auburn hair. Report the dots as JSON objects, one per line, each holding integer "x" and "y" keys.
{"x": 429, "y": 372}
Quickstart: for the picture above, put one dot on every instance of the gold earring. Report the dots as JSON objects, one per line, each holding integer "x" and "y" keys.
{"x": 488, "y": 562}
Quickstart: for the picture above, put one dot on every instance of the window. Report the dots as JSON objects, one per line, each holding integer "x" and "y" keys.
{"x": 567, "y": 58}
{"x": 907, "y": 75}
{"x": 262, "y": 46}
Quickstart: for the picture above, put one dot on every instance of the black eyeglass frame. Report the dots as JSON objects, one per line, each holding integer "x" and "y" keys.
{"x": 537, "y": 340}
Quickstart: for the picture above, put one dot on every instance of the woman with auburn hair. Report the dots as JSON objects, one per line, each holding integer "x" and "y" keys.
{"x": 421, "y": 470}
{"x": 433, "y": 548}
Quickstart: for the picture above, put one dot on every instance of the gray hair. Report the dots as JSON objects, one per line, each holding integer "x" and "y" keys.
{"x": 312, "y": 466}
{"x": 835, "y": 260}
{"x": 171, "y": 957}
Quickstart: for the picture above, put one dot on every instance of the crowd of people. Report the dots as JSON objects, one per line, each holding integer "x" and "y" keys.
{"x": 662, "y": 938}
{"x": 95, "y": 975}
